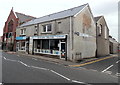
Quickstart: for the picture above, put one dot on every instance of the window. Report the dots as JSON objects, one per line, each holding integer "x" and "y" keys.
{"x": 100, "y": 29}
{"x": 45, "y": 44}
{"x": 23, "y": 31}
{"x": 6, "y": 35}
{"x": 36, "y": 29}
{"x": 47, "y": 28}
{"x": 105, "y": 32}
{"x": 54, "y": 44}
{"x": 9, "y": 35}
{"x": 10, "y": 26}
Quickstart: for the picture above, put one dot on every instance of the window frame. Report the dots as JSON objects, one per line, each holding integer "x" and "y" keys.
{"x": 23, "y": 31}
{"x": 46, "y": 28}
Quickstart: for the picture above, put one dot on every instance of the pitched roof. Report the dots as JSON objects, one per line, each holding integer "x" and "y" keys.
{"x": 58, "y": 15}
{"x": 97, "y": 18}
{"x": 23, "y": 17}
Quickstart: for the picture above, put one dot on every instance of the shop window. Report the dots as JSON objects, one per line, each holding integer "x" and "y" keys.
{"x": 47, "y": 28}
{"x": 38, "y": 44}
{"x": 45, "y": 44}
{"x": 54, "y": 44}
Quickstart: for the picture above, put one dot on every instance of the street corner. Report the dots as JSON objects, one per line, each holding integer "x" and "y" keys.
{"x": 91, "y": 61}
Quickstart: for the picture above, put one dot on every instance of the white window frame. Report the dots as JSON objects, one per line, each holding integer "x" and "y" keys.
{"x": 46, "y": 26}
{"x": 24, "y": 32}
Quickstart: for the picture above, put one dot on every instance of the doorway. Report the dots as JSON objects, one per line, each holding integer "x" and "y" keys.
{"x": 63, "y": 50}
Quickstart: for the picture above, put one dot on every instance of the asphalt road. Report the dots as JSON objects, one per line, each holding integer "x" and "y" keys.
{"x": 22, "y": 69}
{"x": 109, "y": 66}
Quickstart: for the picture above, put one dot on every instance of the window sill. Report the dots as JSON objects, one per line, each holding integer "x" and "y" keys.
{"x": 22, "y": 34}
{"x": 46, "y": 32}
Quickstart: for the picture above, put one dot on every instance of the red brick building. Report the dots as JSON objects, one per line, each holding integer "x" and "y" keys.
{"x": 9, "y": 30}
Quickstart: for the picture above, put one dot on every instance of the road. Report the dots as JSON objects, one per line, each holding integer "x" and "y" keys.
{"x": 22, "y": 69}
{"x": 107, "y": 65}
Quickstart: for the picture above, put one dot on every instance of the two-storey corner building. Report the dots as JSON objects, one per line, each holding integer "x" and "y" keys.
{"x": 102, "y": 36}
{"x": 69, "y": 34}
{"x": 9, "y": 31}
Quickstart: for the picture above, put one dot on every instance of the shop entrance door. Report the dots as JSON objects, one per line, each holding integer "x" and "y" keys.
{"x": 27, "y": 47}
{"x": 62, "y": 50}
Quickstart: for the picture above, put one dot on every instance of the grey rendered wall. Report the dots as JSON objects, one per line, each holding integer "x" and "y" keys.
{"x": 29, "y": 30}
{"x": 102, "y": 43}
{"x": 60, "y": 26}
{"x": 84, "y": 47}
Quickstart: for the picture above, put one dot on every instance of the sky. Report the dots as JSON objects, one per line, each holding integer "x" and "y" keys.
{"x": 38, "y": 8}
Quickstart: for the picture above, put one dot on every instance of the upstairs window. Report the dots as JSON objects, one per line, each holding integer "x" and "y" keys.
{"x": 106, "y": 35}
{"x": 47, "y": 28}
{"x": 100, "y": 29}
{"x": 22, "y": 31}
{"x": 36, "y": 29}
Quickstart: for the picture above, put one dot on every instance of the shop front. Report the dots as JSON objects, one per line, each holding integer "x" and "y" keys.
{"x": 51, "y": 45}
{"x": 22, "y": 44}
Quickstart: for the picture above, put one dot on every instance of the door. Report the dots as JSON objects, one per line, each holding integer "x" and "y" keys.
{"x": 27, "y": 47}
{"x": 62, "y": 50}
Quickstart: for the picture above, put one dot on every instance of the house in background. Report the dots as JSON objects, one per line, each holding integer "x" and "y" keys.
{"x": 69, "y": 34}
{"x": 102, "y": 36}
{"x": 114, "y": 45}
{"x": 9, "y": 30}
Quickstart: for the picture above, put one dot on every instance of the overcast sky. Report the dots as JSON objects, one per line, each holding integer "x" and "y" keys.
{"x": 38, "y": 8}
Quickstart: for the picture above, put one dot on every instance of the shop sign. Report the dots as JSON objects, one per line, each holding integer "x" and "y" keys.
{"x": 50, "y": 37}
{"x": 20, "y": 38}
{"x": 82, "y": 34}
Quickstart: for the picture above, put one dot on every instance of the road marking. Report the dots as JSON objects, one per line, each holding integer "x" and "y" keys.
{"x": 39, "y": 68}
{"x": 107, "y": 68}
{"x": 118, "y": 61}
{"x": 43, "y": 69}
{"x": 4, "y": 58}
{"x": 60, "y": 75}
{"x": 108, "y": 72}
{"x": 91, "y": 62}
{"x": 24, "y": 64}
{"x": 78, "y": 82}
{"x": 9, "y": 59}
{"x": 117, "y": 74}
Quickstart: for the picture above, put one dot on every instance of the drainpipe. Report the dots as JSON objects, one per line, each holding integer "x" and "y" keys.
{"x": 71, "y": 46}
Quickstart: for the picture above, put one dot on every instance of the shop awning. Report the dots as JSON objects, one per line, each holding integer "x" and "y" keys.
{"x": 21, "y": 38}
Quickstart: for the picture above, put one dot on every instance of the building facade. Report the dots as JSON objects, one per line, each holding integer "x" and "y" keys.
{"x": 9, "y": 30}
{"x": 69, "y": 34}
{"x": 102, "y": 37}
{"x": 114, "y": 46}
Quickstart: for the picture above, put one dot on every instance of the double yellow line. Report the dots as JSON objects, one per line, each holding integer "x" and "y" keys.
{"x": 91, "y": 62}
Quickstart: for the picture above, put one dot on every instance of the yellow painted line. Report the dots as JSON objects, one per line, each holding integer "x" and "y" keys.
{"x": 91, "y": 62}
